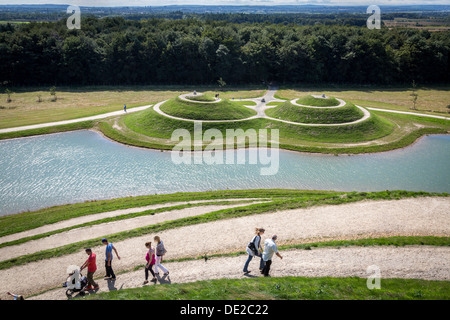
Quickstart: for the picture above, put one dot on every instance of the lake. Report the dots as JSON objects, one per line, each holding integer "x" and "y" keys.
{"x": 77, "y": 166}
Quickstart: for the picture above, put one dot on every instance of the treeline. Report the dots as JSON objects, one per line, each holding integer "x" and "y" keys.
{"x": 114, "y": 51}
{"x": 301, "y": 19}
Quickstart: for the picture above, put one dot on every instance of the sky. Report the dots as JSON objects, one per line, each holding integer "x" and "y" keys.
{"x": 112, "y": 3}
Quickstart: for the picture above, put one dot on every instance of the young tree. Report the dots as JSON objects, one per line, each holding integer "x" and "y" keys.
{"x": 53, "y": 93}
{"x": 221, "y": 83}
{"x": 8, "y": 93}
{"x": 414, "y": 95}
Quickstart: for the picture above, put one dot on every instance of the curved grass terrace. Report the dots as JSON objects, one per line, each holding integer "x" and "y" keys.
{"x": 288, "y": 111}
{"x": 223, "y": 110}
{"x": 310, "y": 100}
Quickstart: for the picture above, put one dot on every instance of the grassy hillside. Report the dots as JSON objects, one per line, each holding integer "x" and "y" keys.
{"x": 223, "y": 110}
{"x": 309, "y": 100}
{"x": 290, "y": 112}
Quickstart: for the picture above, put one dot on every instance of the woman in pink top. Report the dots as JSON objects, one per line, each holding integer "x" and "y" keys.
{"x": 150, "y": 257}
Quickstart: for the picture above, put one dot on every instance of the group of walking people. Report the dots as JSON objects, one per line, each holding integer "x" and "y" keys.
{"x": 254, "y": 249}
{"x": 154, "y": 258}
{"x": 155, "y": 255}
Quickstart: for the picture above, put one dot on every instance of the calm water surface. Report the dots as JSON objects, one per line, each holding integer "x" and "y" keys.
{"x": 62, "y": 168}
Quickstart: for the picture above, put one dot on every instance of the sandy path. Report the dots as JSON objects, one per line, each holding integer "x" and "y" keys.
{"x": 103, "y": 215}
{"x": 408, "y": 262}
{"x": 411, "y": 113}
{"x": 414, "y": 216}
{"x": 100, "y": 230}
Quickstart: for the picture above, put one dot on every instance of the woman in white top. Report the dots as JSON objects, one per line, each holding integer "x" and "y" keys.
{"x": 254, "y": 249}
{"x": 160, "y": 251}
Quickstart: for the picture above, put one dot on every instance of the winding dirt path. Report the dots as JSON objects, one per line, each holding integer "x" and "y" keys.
{"x": 413, "y": 216}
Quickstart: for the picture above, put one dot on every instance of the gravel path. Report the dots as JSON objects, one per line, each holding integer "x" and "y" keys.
{"x": 414, "y": 216}
{"x": 411, "y": 262}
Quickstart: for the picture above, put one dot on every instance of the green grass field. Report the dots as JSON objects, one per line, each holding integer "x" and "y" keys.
{"x": 151, "y": 124}
{"x": 223, "y": 110}
{"x": 309, "y": 100}
{"x": 202, "y": 98}
{"x": 286, "y": 288}
{"x": 290, "y": 112}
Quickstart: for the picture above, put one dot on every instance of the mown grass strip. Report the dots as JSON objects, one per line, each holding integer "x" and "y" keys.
{"x": 285, "y": 288}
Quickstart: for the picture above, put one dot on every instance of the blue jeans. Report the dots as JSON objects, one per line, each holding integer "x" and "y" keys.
{"x": 261, "y": 263}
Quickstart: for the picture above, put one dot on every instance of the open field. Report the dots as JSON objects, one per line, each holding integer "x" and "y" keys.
{"x": 81, "y": 102}
{"x": 432, "y": 100}
{"x": 313, "y": 227}
{"x": 431, "y": 25}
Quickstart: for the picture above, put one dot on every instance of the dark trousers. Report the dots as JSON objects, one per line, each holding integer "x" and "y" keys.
{"x": 266, "y": 268}
{"x": 109, "y": 270}
{"x": 90, "y": 279}
{"x": 151, "y": 270}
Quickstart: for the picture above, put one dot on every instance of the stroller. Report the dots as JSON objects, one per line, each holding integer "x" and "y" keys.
{"x": 73, "y": 286}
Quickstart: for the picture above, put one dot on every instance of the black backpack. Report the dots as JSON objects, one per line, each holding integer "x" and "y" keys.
{"x": 252, "y": 246}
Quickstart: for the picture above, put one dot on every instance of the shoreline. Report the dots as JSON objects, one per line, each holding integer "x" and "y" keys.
{"x": 102, "y": 134}
{"x": 96, "y": 130}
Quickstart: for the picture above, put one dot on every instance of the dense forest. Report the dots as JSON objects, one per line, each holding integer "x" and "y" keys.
{"x": 201, "y": 51}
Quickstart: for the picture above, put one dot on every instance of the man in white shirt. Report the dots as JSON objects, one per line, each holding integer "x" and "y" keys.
{"x": 270, "y": 248}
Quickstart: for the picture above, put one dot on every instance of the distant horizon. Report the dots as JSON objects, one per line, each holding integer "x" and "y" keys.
{"x": 262, "y": 3}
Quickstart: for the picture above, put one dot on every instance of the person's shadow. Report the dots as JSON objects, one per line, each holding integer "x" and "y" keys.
{"x": 112, "y": 285}
{"x": 164, "y": 279}
{"x": 248, "y": 275}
